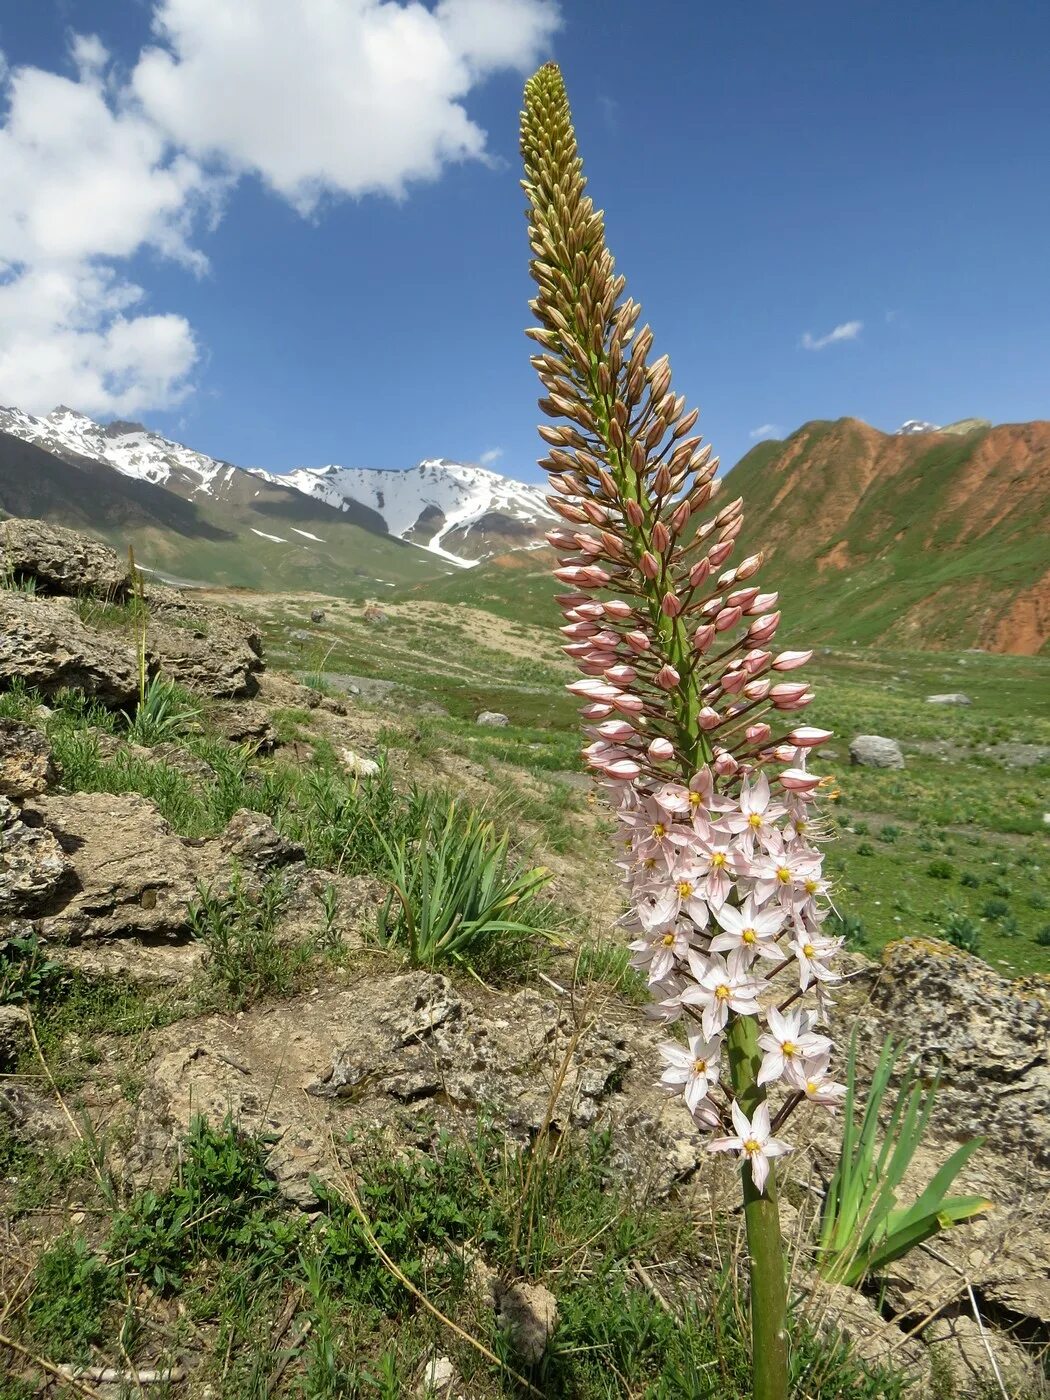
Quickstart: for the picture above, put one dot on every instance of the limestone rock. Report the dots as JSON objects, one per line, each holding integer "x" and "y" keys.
{"x": 492, "y": 717}
{"x": 988, "y": 1036}
{"x": 839, "y": 1312}
{"x": 33, "y": 867}
{"x": 874, "y": 751}
{"x": 132, "y": 875}
{"x": 44, "y": 644}
{"x": 26, "y": 766}
{"x": 252, "y": 842}
{"x": 207, "y": 650}
{"x": 528, "y": 1313}
{"x": 953, "y": 697}
{"x": 962, "y": 1349}
{"x": 14, "y": 1032}
{"x": 63, "y": 561}
{"x": 246, "y": 723}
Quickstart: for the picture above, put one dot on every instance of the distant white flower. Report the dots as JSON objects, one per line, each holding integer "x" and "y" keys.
{"x": 754, "y": 1141}
{"x": 788, "y": 1041}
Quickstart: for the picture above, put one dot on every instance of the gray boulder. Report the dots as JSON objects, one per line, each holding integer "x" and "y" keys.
{"x": 317, "y": 615}
{"x": 44, "y": 644}
{"x": 492, "y": 717}
{"x": 26, "y": 767}
{"x": 207, "y": 650}
{"x": 62, "y": 561}
{"x": 953, "y": 697}
{"x": 873, "y": 751}
{"x": 33, "y": 867}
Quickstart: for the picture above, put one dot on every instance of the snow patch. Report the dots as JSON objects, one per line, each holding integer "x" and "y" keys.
{"x": 277, "y": 539}
{"x": 307, "y": 536}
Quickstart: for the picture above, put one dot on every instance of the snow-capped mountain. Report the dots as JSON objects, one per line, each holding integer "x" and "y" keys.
{"x": 959, "y": 429}
{"x": 916, "y": 425}
{"x": 128, "y": 447}
{"x": 462, "y": 513}
{"x": 459, "y": 513}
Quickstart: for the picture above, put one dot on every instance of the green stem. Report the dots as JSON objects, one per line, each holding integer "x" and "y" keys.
{"x": 769, "y": 1346}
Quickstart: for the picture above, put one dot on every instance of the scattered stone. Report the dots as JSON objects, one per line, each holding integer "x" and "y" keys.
{"x": 358, "y": 766}
{"x": 317, "y": 616}
{"x": 873, "y": 751}
{"x": 26, "y": 765}
{"x": 44, "y": 644}
{"x": 14, "y": 1033}
{"x": 63, "y": 561}
{"x": 33, "y": 867}
{"x": 492, "y": 717}
{"x": 439, "y": 1379}
{"x": 954, "y": 697}
{"x": 528, "y": 1313}
{"x": 375, "y": 616}
{"x": 251, "y": 842}
{"x": 246, "y": 723}
{"x": 300, "y": 637}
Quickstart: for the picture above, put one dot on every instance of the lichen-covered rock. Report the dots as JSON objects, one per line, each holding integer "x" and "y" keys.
{"x": 875, "y": 751}
{"x": 44, "y": 644}
{"x": 33, "y": 866}
{"x": 26, "y": 764}
{"x": 987, "y": 1035}
{"x": 62, "y": 561}
{"x": 207, "y": 650}
{"x": 14, "y": 1032}
{"x": 133, "y": 877}
{"x": 245, "y": 723}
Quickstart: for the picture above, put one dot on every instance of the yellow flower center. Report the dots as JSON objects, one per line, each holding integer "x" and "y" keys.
{"x": 668, "y": 940}
{"x": 749, "y": 935}
{"x": 699, "y": 1066}
{"x": 695, "y": 800}
{"x": 789, "y": 1048}
{"x": 808, "y": 949}
{"x": 649, "y": 863}
{"x": 684, "y": 888}
{"x": 752, "y": 1145}
{"x": 755, "y": 820}
{"x": 718, "y": 860}
{"x": 811, "y": 1086}
{"x": 801, "y": 823}
{"x": 783, "y": 874}
{"x": 659, "y": 831}
{"x": 722, "y": 992}
{"x": 811, "y": 886}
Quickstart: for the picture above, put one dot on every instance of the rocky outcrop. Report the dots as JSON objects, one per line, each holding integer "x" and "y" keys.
{"x": 44, "y": 644}
{"x": 207, "y": 650}
{"x": 62, "y": 561}
{"x": 986, "y": 1035}
{"x": 33, "y": 866}
{"x": 26, "y": 766}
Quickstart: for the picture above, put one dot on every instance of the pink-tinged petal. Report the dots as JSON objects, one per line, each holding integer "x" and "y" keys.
{"x": 760, "y": 1122}
{"x": 797, "y": 780}
{"x": 719, "y": 553}
{"x": 741, "y": 1122}
{"x": 727, "y": 618}
{"x": 725, "y": 1144}
{"x": 756, "y": 690}
{"x": 733, "y": 681}
{"x": 629, "y": 704}
{"x": 638, "y": 641}
{"x": 624, "y": 770}
{"x": 775, "y": 1148}
{"x": 621, "y": 675}
{"x": 742, "y": 598}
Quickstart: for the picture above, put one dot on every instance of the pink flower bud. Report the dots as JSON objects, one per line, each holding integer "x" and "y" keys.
{"x": 790, "y": 699}
{"x": 798, "y": 780}
{"x": 596, "y": 711}
{"x": 616, "y": 730}
{"x": 661, "y": 537}
{"x": 756, "y": 690}
{"x": 749, "y": 567}
{"x": 756, "y": 661}
{"x": 571, "y": 574}
{"x": 617, "y": 607}
{"x": 575, "y": 649}
{"x": 595, "y": 577}
{"x": 709, "y": 718}
{"x": 595, "y": 513}
{"x": 807, "y": 737}
{"x": 762, "y": 602}
{"x": 719, "y": 553}
{"x": 742, "y": 598}
{"x": 727, "y": 618}
{"x": 621, "y": 675}
{"x": 660, "y": 750}
{"x": 757, "y": 733}
{"x": 790, "y": 660}
{"x": 590, "y": 609}
{"x": 670, "y": 605}
{"x": 561, "y": 539}
{"x": 594, "y": 690}
{"x": 725, "y": 765}
{"x": 570, "y": 600}
{"x": 638, "y": 641}
{"x": 624, "y": 770}
{"x": 712, "y": 606}
{"x": 580, "y": 630}
{"x": 763, "y": 628}
{"x": 789, "y": 690}
{"x": 699, "y": 573}
{"x": 667, "y": 678}
{"x": 703, "y": 637}
{"x": 649, "y": 565}
{"x": 733, "y": 680}
{"x": 608, "y": 639}
{"x": 629, "y": 704}
{"x": 634, "y": 513}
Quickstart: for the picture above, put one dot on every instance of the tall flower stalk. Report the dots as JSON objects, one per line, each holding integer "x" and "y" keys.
{"x": 692, "y": 717}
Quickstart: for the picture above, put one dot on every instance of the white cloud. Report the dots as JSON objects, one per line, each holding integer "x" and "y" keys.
{"x": 327, "y": 98}
{"x": 767, "y": 430}
{"x": 339, "y": 97}
{"x": 849, "y": 330}
{"x": 491, "y": 457}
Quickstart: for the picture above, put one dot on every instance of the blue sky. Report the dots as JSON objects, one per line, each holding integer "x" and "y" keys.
{"x": 770, "y": 174}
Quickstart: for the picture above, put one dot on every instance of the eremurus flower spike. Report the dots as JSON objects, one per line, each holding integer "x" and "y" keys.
{"x": 680, "y": 683}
